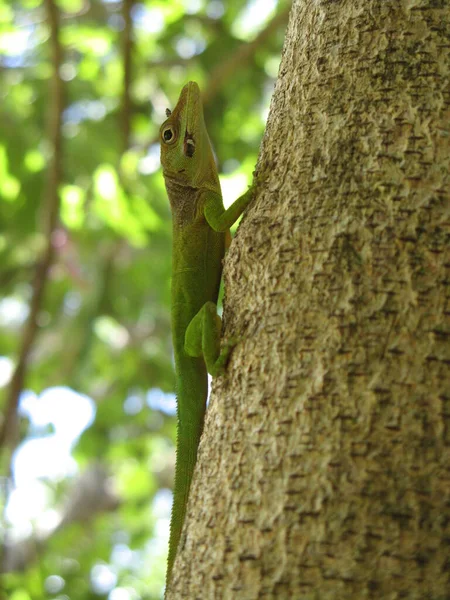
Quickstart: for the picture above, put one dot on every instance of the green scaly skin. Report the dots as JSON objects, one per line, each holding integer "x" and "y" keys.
{"x": 200, "y": 230}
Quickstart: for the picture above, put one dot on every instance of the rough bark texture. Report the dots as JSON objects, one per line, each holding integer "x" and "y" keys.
{"x": 324, "y": 470}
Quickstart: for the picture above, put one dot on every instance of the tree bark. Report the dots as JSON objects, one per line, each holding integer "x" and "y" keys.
{"x": 323, "y": 470}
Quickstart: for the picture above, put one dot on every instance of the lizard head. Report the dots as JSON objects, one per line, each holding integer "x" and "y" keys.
{"x": 186, "y": 153}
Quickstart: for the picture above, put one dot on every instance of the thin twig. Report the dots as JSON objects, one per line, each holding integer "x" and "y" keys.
{"x": 9, "y": 428}
{"x": 127, "y": 73}
{"x": 245, "y": 52}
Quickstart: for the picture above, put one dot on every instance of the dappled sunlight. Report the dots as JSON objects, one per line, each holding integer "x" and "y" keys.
{"x": 13, "y": 311}
{"x": 68, "y": 411}
{"x": 233, "y": 186}
{"x": 45, "y": 456}
{"x": 158, "y": 400}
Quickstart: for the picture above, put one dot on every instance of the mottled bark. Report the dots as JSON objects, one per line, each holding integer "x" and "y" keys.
{"x": 324, "y": 467}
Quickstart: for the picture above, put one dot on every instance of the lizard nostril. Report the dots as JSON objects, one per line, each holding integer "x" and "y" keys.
{"x": 189, "y": 146}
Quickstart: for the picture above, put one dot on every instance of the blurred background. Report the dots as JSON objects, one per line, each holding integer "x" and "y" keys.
{"x": 87, "y": 404}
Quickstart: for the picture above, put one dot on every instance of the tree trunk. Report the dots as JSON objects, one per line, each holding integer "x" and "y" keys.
{"x": 323, "y": 469}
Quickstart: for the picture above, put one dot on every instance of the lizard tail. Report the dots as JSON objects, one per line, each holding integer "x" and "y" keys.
{"x": 188, "y": 437}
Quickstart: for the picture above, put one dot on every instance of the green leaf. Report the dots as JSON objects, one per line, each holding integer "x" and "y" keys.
{"x": 111, "y": 332}
{"x": 89, "y": 40}
{"x": 20, "y": 594}
{"x": 113, "y": 207}
{"x": 34, "y": 161}
{"x": 6, "y": 13}
{"x": 145, "y": 214}
{"x": 134, "y": 480}
{"x": 70, "y": 6}
{"x": 72, "y": 206}
{"x": 9, "y": 185}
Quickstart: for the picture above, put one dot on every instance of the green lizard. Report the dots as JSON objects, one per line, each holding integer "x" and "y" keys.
{"x": 200, "y": 232}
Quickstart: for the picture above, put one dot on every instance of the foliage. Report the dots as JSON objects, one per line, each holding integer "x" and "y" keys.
{"x": 104, "y": 322}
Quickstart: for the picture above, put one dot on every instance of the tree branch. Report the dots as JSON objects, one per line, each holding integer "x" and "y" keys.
{"x": 8, "y": 431}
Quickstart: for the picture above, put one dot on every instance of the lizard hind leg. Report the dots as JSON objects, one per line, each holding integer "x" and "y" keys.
{"x": 203, "y": 339}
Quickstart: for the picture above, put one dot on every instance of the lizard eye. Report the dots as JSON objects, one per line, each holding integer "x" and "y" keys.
{"x": 168, "y": 135}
